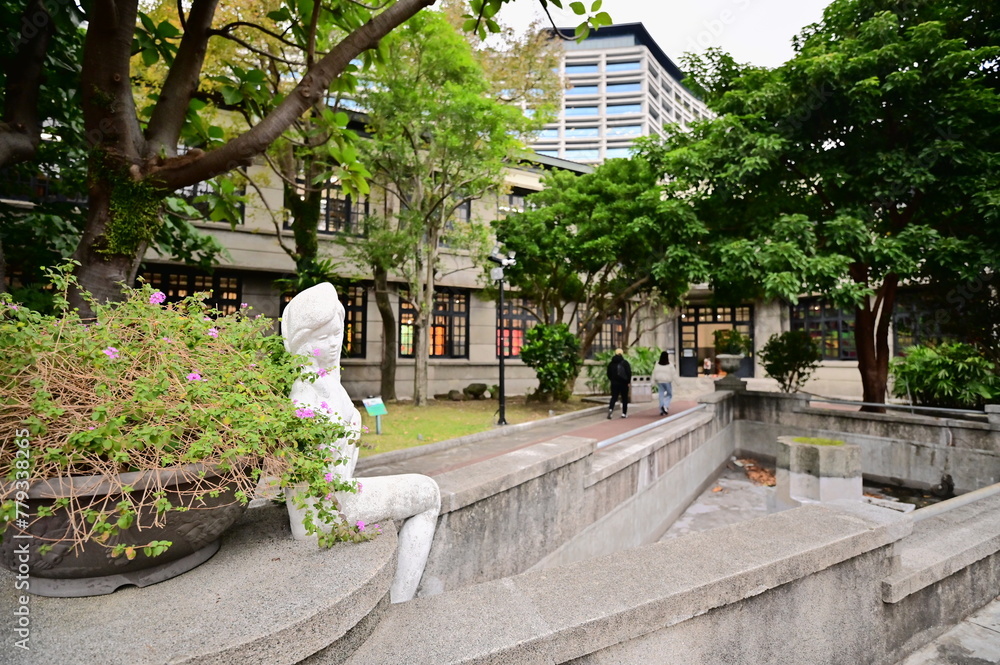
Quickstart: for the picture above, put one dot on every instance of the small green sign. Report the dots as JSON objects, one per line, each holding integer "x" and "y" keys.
{"x": 374, "y": 406}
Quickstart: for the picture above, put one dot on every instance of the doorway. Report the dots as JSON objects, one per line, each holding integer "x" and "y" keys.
{"x": 697, "y": 325}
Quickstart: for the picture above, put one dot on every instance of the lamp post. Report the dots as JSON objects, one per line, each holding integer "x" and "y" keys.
{"x": 496, "y": 274}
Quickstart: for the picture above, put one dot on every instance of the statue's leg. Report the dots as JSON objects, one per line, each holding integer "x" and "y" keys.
{"x": 410, "y": 497}
{"x": 415, "y": 538}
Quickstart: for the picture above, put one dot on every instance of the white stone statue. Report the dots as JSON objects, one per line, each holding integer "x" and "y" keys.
{"x": 313, "y": 326}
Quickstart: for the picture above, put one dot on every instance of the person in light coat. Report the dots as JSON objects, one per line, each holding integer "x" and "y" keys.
{"x": 663, "y": 376}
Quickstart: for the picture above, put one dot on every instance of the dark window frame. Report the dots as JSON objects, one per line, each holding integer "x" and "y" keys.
{"x": 339, "y": 213}
{"x": 611, "y": 335}
{"x": 830, "y": 326}
{"x": 517, "y": 321}
{"x": 448, "y": 333}
{"x": 178, "y": 282}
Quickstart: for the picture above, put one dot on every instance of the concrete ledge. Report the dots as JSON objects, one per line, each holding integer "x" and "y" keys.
{"x": 716, "y": 396}
{"x": 943, "y": 545}
{"x": 558, "y": 614}
{"x": 264, "y": 598}
{"x": 897, "y": 417}
{"x": 465, "y": 486}
{"x": 609, "y": 461}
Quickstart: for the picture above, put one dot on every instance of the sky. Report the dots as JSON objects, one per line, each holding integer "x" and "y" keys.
{"x": 758, "y": 32}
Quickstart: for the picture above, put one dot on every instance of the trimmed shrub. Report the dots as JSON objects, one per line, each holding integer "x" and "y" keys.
{"x": 790, "y": 358}
{"x": 554, "y": 353}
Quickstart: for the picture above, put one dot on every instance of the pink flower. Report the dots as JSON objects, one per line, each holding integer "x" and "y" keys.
{"x": 253, "y": 364}
{"x": 377, "y": 527}
{"x": 111, "y": 352}
{"x": 243, "y": 305}
{"x": 90, "y": 428}
{"x": 324, "y": 406}
{"x": 359, "y": 488}
{"x": 329, "y": 496}
{"x": 194, "y": 376}
{"x": 364, "y": 428}
{"x": 206, "y": 318}
{"x": 317, "y": 352}
{"x": 361, "y": 525}
{"x": 305, "y": 413}
{"x": 328, "y": 477}
{"x": 157, "y": 298}
{"x": 213, "y": 332}
{"x": 322, "y": 371}
{"x": 14, "y": 307}
{"x": 167, "y": 340}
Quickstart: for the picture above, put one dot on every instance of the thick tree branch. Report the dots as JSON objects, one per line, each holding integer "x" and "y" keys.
{"x": 20, "y": 132}
{"x": 227, "y": 29}
{"x": 241, "y": 150}
{"x": 253, "y": 49}
{"x": 108, "y": 105}
{"x": 165, "y": 123}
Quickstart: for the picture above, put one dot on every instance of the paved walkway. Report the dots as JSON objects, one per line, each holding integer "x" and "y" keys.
{"x": 447, "y": 456}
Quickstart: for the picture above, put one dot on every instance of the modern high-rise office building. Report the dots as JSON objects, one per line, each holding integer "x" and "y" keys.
{"x": 622, "y": 86}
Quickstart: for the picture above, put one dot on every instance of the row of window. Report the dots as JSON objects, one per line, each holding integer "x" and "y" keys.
{"x": 609, "y": 109}
{"x": 448, "y": 333}
{"x": 609, "y": 88}
{"x": 612, "y": 131}
{"x": 594, "y": 67}
{"x": 588, "y": 154}
{"x": 833, "y": 329}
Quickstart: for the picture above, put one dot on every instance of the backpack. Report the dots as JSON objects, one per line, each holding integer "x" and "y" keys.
{"x": 623, "y": 373}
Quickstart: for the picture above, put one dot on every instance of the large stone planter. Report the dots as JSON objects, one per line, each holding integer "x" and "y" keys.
{"x": 730, "y": 364}
{"x": 90, "y": 569}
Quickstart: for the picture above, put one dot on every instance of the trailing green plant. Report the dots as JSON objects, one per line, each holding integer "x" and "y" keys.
{"x": 144, "y": 386}
{"x": 731, "y": 341}
{"x": 956, "y": 376}
{"x": 640, "y": 358}
{"x": 553, "y": 352}
{"x": 790, "y": 358}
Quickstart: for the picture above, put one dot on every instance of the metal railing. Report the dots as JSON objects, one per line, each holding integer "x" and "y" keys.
{"x": 645, "y": 428}
{"x": 901, "y": 407}
{"x": 957, "y": 502}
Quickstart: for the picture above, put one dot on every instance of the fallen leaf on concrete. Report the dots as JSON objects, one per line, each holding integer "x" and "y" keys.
{"x": 717, "y": 489}
{"x": 758, "y": 474}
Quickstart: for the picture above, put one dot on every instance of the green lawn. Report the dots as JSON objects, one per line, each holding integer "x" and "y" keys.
{"x": 406, "y": 426}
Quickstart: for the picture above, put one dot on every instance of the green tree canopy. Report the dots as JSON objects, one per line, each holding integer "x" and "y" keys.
{"x": 133, "y": 127}
{"x": 866, "y": 162}
{"x": 594, "y": 242}
{"x": 438, "y": 140}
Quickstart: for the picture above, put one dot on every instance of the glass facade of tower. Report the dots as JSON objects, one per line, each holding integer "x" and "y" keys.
{"x": 622, "y": 87}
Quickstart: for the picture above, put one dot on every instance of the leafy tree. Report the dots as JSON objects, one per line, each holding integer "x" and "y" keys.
{"x": 790, "y": 358}
{"x": 590, "y": 244}
{"x": 437, "y": 141}
{"x": 134, "y": 160}
{"x": 866, "y": 162}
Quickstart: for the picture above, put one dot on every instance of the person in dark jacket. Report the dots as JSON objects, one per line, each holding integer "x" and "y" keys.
{"x": 620, "y": 376}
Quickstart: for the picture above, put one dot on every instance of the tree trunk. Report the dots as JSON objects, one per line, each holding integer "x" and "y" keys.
{"x": 389, "y": 343}
{"x": 420, "y": 353}
{"x": 871, "y": 336}
{"x": 102, "y": 273}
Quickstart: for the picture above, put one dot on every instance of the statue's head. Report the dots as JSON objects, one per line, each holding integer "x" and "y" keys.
{"x": 313, "y": 325}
